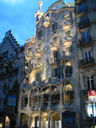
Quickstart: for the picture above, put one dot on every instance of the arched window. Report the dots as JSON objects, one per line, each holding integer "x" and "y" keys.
{"x": 68, "y": 93}
{"x": 66, "y": 69}
{"x": 24, "y": 99}
{"x": 55, "y": 95}
{"x": 45, "y": 96}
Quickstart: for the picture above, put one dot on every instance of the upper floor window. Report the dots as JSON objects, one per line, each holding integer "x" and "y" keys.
{"x": 82, "y": 7}
{"x": 37, "y": 77}
{"x": 40, "y": 45}
{"x": 37, "y": 18}
{"x": 39, "y": 60}
{"x": 55, "y": 54}
{"x": 86, "y": 36}
{"x": 68, "y": 33}
{"x": 69, "y": 49}
{"x": 55, "y": 38}
{"x": 66, "y": 69}
{"x": 90, "y": 83}
{"x": 54, "y": 27}
{"x": 56, "y": 72}
{"x": 87, "y": 55}
{"x": 39, "y": 34}
{"x": 29, "y": 49}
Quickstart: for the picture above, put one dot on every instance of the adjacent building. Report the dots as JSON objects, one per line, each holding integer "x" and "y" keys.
{"x": 85, "y": 11}
{"x": 11, "y": 59}
{"x": 49, "y": 95}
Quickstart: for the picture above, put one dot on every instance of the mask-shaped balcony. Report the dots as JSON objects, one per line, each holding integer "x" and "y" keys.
{"x": 84, "y": 23}
{"x": 53, "y": 61}
{"x": 67, "y": 41}
{"x": 38, "y": 52}
{"x": 28, "y": 55}
{"x": 67, "y": 24}
{"x": 46, "y": 22}
{"x": 86, "y": 41}
{"x": 54, "y": 46}
{"x": 86, "y": 62}
{"x": 37, "y": 66}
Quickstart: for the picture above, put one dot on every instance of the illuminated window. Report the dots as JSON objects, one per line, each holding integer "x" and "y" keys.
{"x": 68, "y": 94}
{"x": 66, "y": 69}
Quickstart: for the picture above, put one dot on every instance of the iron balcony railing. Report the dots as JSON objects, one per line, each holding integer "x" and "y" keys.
{"x": 83, "y": 23}
{"x": 85, "y": 62}
{"x": 85, "y": 40}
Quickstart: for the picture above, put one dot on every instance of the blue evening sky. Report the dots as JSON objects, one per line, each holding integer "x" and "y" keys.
{"x": 18, "y": 16}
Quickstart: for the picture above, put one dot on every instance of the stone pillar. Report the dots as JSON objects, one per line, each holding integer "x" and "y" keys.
{"x": 52, "y": 122}
{"x": 39, "y": 121}
{"x": 61, "y": 119}
{"x": 29, "y": 122}
{"x": 49, "y": 120}
{"x": 18, "y": 120}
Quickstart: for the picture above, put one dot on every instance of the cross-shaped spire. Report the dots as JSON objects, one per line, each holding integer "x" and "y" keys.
{"x": 40, "y": 4}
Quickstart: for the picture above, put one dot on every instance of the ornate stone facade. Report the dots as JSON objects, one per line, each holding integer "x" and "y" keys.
{"x": 49, "y": 95}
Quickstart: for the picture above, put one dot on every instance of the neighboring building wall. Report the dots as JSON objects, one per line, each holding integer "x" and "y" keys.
{"x": 50, "y": 93}
{"x": 11, "y": 50}
{"x": 86, "y": 30}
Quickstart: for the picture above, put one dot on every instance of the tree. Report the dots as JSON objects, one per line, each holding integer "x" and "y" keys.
{"x": 7, "y": 66}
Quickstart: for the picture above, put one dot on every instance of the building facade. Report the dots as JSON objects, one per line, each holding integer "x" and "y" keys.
{"x": 10, "y": 74}
{"x": 49, "y": 95}
{"x": 86, "y": 37}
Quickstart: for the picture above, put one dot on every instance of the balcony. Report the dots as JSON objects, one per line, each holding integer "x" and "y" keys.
{"x": 86, "y": 62}
{"x": 82, "y": 11}
{"x": 46, "y": 22}
{"x": 54, "y": 46}
{"x": 38, "y": 52}
{"x": 84, "y": 23}
{"x": 67, "y": 24}
{"x": 67, "y": 41}
{"x": 37, "y": 66}
{"x": 53, "y": 61}
{"x": 28, "y": 55}
{"x": 85, "y": 41}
